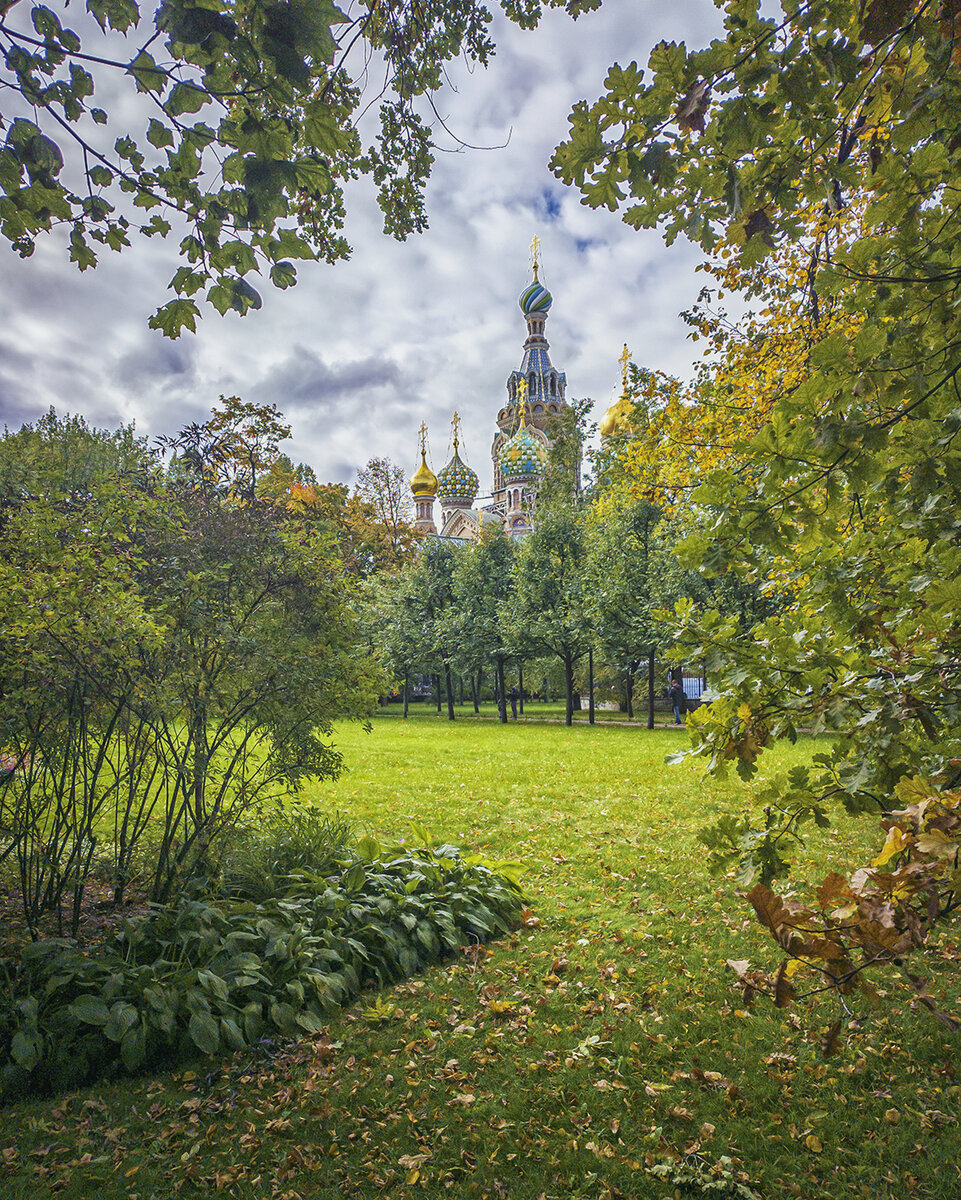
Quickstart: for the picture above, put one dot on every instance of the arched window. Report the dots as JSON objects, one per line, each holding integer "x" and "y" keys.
{"x": 553, "y": 386}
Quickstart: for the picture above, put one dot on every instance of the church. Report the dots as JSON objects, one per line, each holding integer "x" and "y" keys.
{"x": 536, "y": 392}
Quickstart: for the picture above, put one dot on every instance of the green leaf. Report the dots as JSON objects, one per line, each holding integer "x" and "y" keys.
{"x": 25, "y": 1049}
{"x": 186, "y": 98}
{"x": 149, "y": 77}
{"x": 667, "y": 61}
{"x": 204, "y": 1032}
{"x": 90, "y": 1009}
{"x": 175, "y": 316}
{"x": 158, "y": 134}
{"x": 284, "y": 275}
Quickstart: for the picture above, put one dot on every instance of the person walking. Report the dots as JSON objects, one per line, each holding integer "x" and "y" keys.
{"x": 679, "y": 701}
{"x": 512, "y": 695}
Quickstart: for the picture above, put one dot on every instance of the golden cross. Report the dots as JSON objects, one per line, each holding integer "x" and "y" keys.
{"x": 535, "y": 253}
{"x": 522, "y": 400}
{"x": 455, "y": 424}
{"x": 624, "y": 360}
{"x": 423, "y": 437}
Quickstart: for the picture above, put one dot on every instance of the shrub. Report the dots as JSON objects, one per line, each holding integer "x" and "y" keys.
{"x": 213, "y": 976}
{"x": 263, "y": 861}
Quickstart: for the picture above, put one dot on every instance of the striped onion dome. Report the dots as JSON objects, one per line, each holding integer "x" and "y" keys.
{"x": 535, "y": 298}
{"x": 524, "y": 455}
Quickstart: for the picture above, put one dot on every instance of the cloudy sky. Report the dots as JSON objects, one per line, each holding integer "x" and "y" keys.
{"x": 357, "y": 355}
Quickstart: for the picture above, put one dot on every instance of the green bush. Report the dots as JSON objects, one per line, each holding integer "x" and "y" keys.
{"x": 217, "y": 975}
{"x": 263, "y": 862}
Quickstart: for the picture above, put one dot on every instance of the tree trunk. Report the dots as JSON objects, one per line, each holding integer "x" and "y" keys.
{"x": 475, "y": 684}
{"x": 650, "y": 689}
{"x": 590, "y": 687}
{"x": 406, "y": 695}
{"x": 629, "y": 692}
{"x": 569, "y": 687}
{"x": 501, "y": 694}
{"x": 450, "y": 692}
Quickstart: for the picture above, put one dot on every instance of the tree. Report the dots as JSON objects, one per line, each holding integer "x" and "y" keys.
{"x": 73, "y": 503}
{"x": 548, "y": 612}
{"x": 854, "y": 482}
{"x": 233, "y": 450}
{"x": 172, "y": 655}
{"x": 483, "y": 585}
{"x": 568, "y": 430}
{"x": 623, "y": 591}
{"x": 260, "y": 183}
{"x": 382, "y": 485}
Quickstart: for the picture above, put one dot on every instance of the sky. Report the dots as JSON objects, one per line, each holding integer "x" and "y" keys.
{"x": 359, "y": 354}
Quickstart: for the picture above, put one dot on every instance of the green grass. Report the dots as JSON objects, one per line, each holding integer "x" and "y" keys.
{"x": 512, "y": 1072}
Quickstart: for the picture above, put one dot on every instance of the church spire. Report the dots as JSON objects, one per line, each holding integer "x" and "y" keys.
{"x": 423, "y": 484}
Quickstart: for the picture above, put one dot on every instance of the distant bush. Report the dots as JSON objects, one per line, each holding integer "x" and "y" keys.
{"x": 211, "y": 976}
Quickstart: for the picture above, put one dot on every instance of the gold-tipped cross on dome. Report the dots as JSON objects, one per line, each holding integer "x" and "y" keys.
{"x": 455, "y": 425}
{"x": 522, "y": 401}
{"x": 535, "y": 255}
{"x": 423, "y": 437}
{"x": 624, "y": 360}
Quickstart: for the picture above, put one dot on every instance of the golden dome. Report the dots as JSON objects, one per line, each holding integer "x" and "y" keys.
{"x": 617, "y": 419}
{"x": 423, "y": 481}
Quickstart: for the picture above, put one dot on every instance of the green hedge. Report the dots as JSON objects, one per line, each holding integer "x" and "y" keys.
{"x": 218, "y": 975}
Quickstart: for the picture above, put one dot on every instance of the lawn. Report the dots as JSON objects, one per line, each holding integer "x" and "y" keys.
{"x": 561, "y": 1062}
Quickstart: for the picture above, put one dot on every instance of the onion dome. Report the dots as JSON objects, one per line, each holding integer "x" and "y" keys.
{"x": 423, "y": 482}
{"x": 535, "y": 298}
{"x": 523, "y": 455}
{"x": 457, "y": 483}
{"x": 617, "y": 419}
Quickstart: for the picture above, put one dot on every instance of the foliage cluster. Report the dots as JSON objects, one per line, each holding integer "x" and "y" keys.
{"x": 257, "y": 186}
{"x": 211, "y": 975}
{"x": 822, "y": 147}
{"x": 173, "y": 654}
{"x": 589, "y": 579}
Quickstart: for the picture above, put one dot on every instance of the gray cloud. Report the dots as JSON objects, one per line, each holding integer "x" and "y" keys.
{"x": 155, "y": 363}
{"x": 305, "y": 382}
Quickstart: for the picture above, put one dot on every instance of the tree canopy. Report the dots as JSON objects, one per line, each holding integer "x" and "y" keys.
{"x": 257, "y": 184}
{"x": 832, "y": 113}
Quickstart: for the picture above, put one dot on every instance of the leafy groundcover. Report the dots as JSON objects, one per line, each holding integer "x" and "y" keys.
{"x": 214, "y": 975}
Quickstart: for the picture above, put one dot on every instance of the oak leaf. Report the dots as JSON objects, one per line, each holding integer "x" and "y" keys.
{"x": 693, "y": 105}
